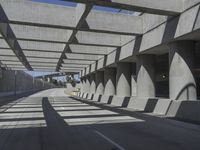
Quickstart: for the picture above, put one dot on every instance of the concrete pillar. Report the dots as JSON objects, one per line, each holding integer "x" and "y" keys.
{"x": 99, "y": 82}
{"x": 87, "y": 84}
{"x": 82, "y": 85}
{"x": 92, "y": 83}
{"x": 110, "y": 81}
{"x": 145, "y": 76}
{"x": 123, "y": 87}
{"x": 181, "y": 80}
{"x": 134, "y": 80}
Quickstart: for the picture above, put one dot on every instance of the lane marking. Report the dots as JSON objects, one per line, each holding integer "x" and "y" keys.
{"x": 109, "y": 140}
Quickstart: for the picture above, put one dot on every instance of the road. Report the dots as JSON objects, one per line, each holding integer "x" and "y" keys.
{"x": 50, "y": 120}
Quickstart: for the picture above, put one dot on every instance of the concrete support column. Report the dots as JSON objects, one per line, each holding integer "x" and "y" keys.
{"x": 134, "y": 80}
{"x": 145, "y": 76}
{"x": 123, "y": 87}
{"x": 92, "y": 83}
{"x": 87, "y": 84}
{"x": 99, "y": 82}
{"x": 181, "y": 80}
{"x": 110, "y": 81}
{"x": 82, "y": 85}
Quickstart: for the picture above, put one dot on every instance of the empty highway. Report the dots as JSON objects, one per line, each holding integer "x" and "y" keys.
{"x": 51, "y": 120}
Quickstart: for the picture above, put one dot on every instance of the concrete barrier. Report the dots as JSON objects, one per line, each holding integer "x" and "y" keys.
{"x": 105, "y": 99}
{"x": 185, "y": 110}
{"x": 85, "y": 95}
{"x": 120, "y": 101}
{"x": 96, "y": 98}
{"x": 90, "y": 96}
{"x": 143, "y": 104}
{"x": 162, "y": 106}
{"x": 81, "y": 95}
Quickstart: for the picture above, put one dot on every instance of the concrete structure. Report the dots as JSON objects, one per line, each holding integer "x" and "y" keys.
{"x": 145, "y": 76}
{"x": 123, "y": 87}
{"x": 110, "y": 81}
{"x": 14, "y": 83}
{"x": 145, "y": 55}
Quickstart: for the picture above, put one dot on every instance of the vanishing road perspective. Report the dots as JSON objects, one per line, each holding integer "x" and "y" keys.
{"x": 99, "y": 74}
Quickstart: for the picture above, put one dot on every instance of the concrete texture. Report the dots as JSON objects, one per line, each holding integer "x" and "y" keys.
{"x": 185, "y": 110}
{"x": 92, "y": 84}
{"x": 162, "y": 106}
{"x": 134, "y": 80}
{"x": 18, "y": 82}
{"x": 117, "y": 101}
{"x": 145, "y": 76}
{"x": 87, "y": 84}
{"x": 96, "y": 97}
{"x": 100, "y": 82}
{"x": 96, "y": 41}
{"x": 110, "y": 81}
{"x": 93, "y": 33}
{"x": 123, "y": 82}
{"x": 182, "y": 83}
{"x": 158, "y": 31}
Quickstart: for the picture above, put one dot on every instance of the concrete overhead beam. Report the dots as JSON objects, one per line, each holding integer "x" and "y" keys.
{"x": 26, "y": 45}
{"x": 40, "y": 33}
{"x": 54, "y": 35}
{"x": 82, "y": 12}
{"x": 43, "y": 64}
{"x": 93, "y": 50}
{"x": 8, "y": 34}
{"x": 103, "y": 39}
{"x": 55, "y": 16}
{"x": 41, "y": 54}
{"x": 3, "y": 44}
{"x": 83, "y": 57}
{"x": 66, "y": 68}
{"x": 42, "y": 67}
{"x": 44, "y": 60}
{"x": 6, "y": 52}
{"x": 75, "y": 71}
{"x": 11, "y": 62}
{"x": 74, "y": 65}
{"x": 161, "y": 7}
{"x": 113, "y": 23}
{"x": 185, "y": 27}
{"x": 39, "y": 13}
{"x": 81, "y": 62}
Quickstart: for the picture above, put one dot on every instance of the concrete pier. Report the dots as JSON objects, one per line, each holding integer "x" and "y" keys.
{"x": 123, "y": 87}
{"x": 145, "y": 76}
{"x": 181, "y": 79}
{"x": 92, "y": 84}
{"x": 99, "y": 82}
{"x": 110, "y": 81}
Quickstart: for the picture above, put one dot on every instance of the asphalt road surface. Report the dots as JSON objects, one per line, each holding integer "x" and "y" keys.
{"x": 50, "y": 120}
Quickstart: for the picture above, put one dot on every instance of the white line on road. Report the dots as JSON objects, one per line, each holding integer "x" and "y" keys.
{"x": 109, "y": 140}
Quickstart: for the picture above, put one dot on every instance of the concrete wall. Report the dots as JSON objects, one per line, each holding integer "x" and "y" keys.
{"x": 18, "y": 82}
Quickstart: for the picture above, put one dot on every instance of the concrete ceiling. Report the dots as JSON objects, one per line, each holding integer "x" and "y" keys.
{"x": 40, "y": 36}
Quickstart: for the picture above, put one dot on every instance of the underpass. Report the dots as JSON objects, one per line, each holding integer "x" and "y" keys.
{"x": 99, "y": 74}
{"x": 48, "y": 120}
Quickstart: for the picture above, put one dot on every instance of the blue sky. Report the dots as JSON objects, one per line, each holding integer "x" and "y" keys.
{"x": 73, "y": 4}
{"x": 57, "y": 2}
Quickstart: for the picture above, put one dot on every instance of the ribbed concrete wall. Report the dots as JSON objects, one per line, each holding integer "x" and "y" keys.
{"x": 18, "y": 82}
